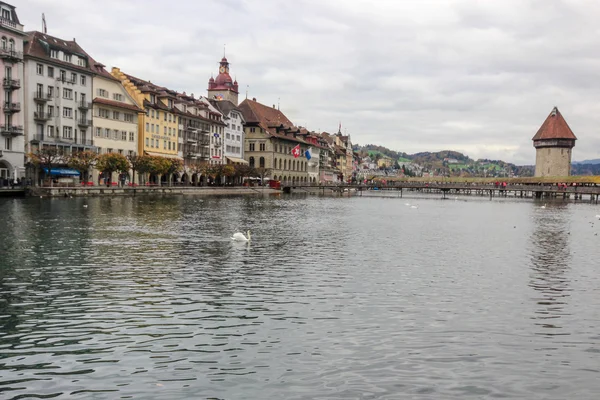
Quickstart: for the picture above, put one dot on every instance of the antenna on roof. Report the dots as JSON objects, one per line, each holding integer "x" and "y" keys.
{"x": 224, "y": 46}
{"x": 278, "y": 99}
{"x": 44, "y": 27}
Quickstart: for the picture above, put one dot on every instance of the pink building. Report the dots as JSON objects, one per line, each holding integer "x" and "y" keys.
{"x": 12, "y": 141}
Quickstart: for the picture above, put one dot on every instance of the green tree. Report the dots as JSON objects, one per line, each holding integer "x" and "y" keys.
{"x": 137, "y": 163}
{"x": 175, "y": 165}
{"x": 46, "y": 157}
{"x": 83, "y": 161}
{"x": 262, "y": 172}
{"x": 112, "y": 162}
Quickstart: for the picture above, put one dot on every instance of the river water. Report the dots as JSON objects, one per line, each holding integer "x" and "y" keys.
{"x": 334, "y": 298}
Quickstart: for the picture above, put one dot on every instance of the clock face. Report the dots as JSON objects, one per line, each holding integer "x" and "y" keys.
{"x": 222, "y": 70}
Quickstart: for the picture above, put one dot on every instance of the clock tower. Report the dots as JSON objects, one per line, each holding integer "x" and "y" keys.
{"x": 223, "y": 87}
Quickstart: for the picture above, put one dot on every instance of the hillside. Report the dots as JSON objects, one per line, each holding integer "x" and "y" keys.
{"x": 448, "y": 162}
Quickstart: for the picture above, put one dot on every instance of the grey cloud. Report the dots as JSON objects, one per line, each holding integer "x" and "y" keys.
{"x": 466, "y": 75}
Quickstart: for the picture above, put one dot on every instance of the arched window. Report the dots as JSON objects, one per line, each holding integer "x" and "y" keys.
{"x": 280, "y": 163}
{"x": 275, "y": 163}
{"x": 251, "y": 162}
{"x": 261, "y": 162}
{"x": 11, "y": 44}
{"x": 284, "y": 164}
{"x": 4, "y": 42}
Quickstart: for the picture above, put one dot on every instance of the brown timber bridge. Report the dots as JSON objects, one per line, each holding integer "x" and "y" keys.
{"x": 523, "y": 190}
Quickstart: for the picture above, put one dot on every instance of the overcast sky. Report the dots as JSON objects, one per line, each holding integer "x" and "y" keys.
{"x": 468, "y": 75}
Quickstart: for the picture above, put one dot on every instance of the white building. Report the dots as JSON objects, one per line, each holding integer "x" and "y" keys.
{"x": 12, "y": 142}
{"x": 233, "y": 142}
{"x": 58, "y": 94}
{"x": 115, "y": 120}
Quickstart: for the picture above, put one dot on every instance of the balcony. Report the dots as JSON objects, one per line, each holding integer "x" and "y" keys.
{"x": 11, "y": 55}
{"x": 41, "y": 116}
{"x": 84, "y": 105}
{"x": 11, "y": 130}
{"x": 64, "y": 79}
{"x": 41, "y": 96}
{"x": 75, "y": 142}
{"x": 11, "y": 84}
{"x": 11, "y": 107}
{"x": 84, "y": 122}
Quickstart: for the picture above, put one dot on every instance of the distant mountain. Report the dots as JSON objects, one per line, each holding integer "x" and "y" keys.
{"x": 587, "y": 162}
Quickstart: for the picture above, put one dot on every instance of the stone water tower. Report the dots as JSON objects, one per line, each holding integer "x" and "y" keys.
{"x": 553, "y": 142}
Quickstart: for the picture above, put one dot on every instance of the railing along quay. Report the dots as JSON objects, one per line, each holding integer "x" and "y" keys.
{"x": 491, "y": 190}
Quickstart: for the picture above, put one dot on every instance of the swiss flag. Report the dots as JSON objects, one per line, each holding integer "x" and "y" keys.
{"x": 296, "y": 151}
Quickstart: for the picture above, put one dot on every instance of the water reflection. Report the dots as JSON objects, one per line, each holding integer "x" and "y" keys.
{"x": 550, "y": 255}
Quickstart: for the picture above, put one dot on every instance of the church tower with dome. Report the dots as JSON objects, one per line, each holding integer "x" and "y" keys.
{"x": 223, "y": 87}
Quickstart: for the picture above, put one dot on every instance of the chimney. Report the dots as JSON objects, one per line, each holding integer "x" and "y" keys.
{"x": 74, "y": 40}
{"x": 192, "y": 95}
{"x": 274, "y": 106}
{"x": 254, "y": 99}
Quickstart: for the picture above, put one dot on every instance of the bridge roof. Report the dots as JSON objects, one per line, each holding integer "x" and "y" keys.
{"x": 554, "y": 127}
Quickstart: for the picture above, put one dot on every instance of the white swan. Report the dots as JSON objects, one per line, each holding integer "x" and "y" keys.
{"x": 240, "y": 236}
{"x": 414, "y": 206}
{"x": 544, "y": 206}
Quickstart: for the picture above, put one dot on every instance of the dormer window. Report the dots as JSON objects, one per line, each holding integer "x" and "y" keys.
{"x": 152, "y": 99}
{"x": 6, "y": 14}
{"x": 170, "y": 103}
{"x": 67, "y": 58}
{"x": 54, "y": 53}
{"x": 81, "y": 62}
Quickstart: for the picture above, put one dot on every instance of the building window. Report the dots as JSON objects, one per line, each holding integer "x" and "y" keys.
{"x": 132, "y": 136}
{"x": 124, "y": 135}
{"x": 165, "y": 129}
{"x": 106, "y": 133}
{"x": 116, "y": 115}
{"x": 228, "y": 136}
{"x": 67, "y": 132}
{"x": 117, "y": 96}
{"x": 251, "y": 160}
{"x": 67, "y": 94}
{"x": 98, "y": 132}
{"x": 261, "y": 162}
{"x": 152, "y": 99}
{"x": 40, "y": 69}
{"x": 50, "y": 72}
{"x": 54, "y": 53}
{"x": 50, "y": 91}
{"x": 147, "y": 142}
{"x": 67, "y": 112}
{"x": 51, "y": 111}
{"x": 83, "y": 81}
{"x": 262, "y": 146}
{"x": 103, "y": 113}
{"x": 252, "y": 130}
{"x": 67, "y": 57}
{"x": 238, "y": 138}
{"x": 102, "y": 93}
{"x": 165, "y": 116}
{"x": 63, "y": 75}
{"x": 50, "y": 131}
{"x": 73, "y": 77}
{"x": 4, "y": 42}
{"x": 147, "y": 127}
{"x": 165, "y": 144}
{"x": 8, "y": 143}
{"x": 251, "y": 146}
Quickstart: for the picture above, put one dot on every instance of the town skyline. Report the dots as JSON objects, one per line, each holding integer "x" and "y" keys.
{"x": 472, "y": 95}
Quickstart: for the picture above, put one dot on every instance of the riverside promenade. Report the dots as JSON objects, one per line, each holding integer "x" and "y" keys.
{"x": 94, "y": 191}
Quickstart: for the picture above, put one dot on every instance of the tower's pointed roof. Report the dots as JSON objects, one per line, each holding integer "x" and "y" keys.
{"x": 554, "y": 127}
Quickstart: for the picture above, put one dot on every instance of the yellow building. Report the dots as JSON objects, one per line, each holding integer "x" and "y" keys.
{"x": 385, "y": 162}
{"x": 158, "y": 127}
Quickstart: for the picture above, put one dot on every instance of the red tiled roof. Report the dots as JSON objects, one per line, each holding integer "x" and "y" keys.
{"x": 266, "y": 116}
{"x": 119, "y": 104}
{"x": 554, "y": 127}
{"x": 38, "y": 45}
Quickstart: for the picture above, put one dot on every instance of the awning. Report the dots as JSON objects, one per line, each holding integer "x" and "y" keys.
{"x": 151, "y": 153}
{"x": 62, "y": 171}
{"x": 236, "y": 160}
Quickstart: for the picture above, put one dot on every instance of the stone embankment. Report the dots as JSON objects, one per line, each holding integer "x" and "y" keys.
{"x": 146, "y": 191}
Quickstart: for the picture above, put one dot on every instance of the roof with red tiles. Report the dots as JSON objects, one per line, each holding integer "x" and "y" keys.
{"x": 554, "y": 127}
{"x": 38, "y": 45}
{"x": 99, "y": 100}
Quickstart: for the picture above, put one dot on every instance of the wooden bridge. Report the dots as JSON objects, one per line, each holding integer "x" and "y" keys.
{"x": 522, "y": 190}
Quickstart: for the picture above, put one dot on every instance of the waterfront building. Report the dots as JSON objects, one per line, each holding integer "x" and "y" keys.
{"x": 270, "y": 138}
{"x": 194, "y": 131}
{"x": 158, "y": 126}
{"x": 115, "y": 120}
{"x": 58, "y": 89}
{"x": 217, "y": 131}
{"x": 554, "y": 142}
{"x": 233, "y": 140}
{"x": 223, "y": 87}
{"x": 12, "y": 142}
